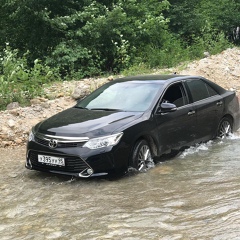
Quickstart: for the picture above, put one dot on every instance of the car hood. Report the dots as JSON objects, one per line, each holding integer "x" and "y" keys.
{"x": 75, "y": 122}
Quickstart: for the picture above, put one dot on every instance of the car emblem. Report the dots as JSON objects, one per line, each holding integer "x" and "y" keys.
{"x": 53, "y": 143}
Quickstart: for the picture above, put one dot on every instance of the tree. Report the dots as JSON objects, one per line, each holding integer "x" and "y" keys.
{"x": 221, "y": 16}
{"x": 197, "y": 17}
{"x": 106, "y": 37}
{"x": 84, "y": 36}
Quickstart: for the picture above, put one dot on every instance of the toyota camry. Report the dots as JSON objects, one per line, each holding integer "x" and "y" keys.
{"x": 130, "y": 121}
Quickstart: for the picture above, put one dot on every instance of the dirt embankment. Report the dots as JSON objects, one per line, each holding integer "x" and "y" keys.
{"x": 223, "y": 69}
{"x": 16, "y": 122}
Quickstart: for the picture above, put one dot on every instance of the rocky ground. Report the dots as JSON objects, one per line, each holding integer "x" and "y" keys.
{"x": 16, "y": 121}
{"x": 224, "y": 68}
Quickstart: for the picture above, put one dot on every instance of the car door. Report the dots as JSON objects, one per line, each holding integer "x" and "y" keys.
{"x": 208, "y": 105}
{"x": 175, "y": 129}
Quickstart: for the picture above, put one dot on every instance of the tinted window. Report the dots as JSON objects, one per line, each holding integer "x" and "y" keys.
{"x": 211, "y": 91}
{"x": 175, "y": 94}
{"x": 199, "y": 90}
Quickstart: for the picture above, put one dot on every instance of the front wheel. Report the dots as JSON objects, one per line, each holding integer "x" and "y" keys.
{"x": 224, "y": 128}
{"x": 142, "y": 158}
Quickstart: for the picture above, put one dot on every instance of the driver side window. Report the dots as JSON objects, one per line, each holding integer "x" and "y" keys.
{"x": 175, "y": 94}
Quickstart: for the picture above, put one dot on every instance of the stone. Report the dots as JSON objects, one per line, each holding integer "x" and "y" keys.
{"x": 18, "y": 141}
{"x": 12, "y": 105}
{"x": 11, "y": 123}
{"x": 35, "y": 101}
{"x": 5, "y": 143}
{"x": 37, "y": 109}
{"x": 79, "y": 92}
{"x": 3, "y": 136}
{"x": 14, "y": 112}
{"x": 110, "y": 78}
{"x": 42, "y": 99}
{"x": 60, "y": 95}
{"x": 4, "y": 129}
{"x": 45, "y": 105}
{"x": 206, "y": 54}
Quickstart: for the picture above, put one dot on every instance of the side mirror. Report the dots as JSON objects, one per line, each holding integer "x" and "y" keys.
{"x": 167, "y": 107}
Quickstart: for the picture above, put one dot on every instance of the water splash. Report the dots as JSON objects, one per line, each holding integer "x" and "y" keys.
{"x": 203, "y": 147}
{"x": 196, "y": 149}
{"x": 234, "y": 136}
{"x": 149, "y": 165}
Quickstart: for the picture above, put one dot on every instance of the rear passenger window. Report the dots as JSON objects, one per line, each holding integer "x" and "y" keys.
{"x": 200, "y": 90}
{"x": 211, "y": 91}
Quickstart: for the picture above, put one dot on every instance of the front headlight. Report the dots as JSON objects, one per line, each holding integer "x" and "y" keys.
{"x": 101, "y": 142}
{"x": 31, "y": 136}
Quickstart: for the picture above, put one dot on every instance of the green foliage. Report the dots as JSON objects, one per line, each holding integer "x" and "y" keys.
{"x": 18, "y": 82}
{"x": 75, "y": 61}
{"x": 209, "y": 42}
{"x": 86, "y": 38}
{"x": 101, "y": 38}
{"x": 138, "y": 68}
{"x": 170, "y": 54}
{"x": 221, "y": 16}
{"x": 191, "y": 19}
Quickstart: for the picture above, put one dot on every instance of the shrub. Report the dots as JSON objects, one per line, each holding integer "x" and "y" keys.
{"x": 210, "y": 41}
{"x": 18, "y": 81}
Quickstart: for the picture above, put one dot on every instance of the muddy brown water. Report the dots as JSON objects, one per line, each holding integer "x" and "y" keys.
{"x": 195, "y": 195}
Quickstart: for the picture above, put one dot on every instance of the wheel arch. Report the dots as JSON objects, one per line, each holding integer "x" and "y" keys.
{"x": 151, "y": 144}
{"x": 150, "y": 140}
{"x": 229, "y": 116}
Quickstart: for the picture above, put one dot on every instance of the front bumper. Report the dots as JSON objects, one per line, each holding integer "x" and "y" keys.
{"x": 79, "y": 161}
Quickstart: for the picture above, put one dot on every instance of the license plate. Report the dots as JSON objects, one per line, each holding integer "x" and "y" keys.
{"x": 51, "y": 160}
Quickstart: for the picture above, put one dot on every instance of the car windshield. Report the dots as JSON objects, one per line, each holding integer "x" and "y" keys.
{"x": 122, "y": 96}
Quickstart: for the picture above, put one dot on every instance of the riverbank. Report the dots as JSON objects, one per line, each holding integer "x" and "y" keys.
{"x": 16, "y": 121}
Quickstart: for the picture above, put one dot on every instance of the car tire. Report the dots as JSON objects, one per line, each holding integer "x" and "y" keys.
{"x": 224, "y": 128}
{"x": 142, "y": 158}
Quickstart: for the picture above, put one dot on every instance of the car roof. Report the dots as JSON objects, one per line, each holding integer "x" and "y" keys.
{"x": 166, "y": 79}
{"x": 160, "y": 78}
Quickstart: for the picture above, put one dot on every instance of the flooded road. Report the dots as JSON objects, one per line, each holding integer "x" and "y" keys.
{"x": 195, "y": 195}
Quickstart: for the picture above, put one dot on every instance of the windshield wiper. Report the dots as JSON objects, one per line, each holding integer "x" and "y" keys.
{"x": 107, "y": 109}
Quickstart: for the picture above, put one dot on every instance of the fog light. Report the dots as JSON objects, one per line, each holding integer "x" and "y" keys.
{"x": 90, "y": 171}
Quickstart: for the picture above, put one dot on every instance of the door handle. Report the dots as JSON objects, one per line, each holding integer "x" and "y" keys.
{"x": 219, "y": 103}
{"x": 191, "y": 113}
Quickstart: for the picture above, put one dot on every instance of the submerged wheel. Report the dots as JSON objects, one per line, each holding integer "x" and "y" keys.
{"x": 142, "y": 157}
{"x": 224, "y": 128}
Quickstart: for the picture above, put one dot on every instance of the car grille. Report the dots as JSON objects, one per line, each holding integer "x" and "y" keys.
{"x": 72, "y": 163}
{"x": 60, "y": 144}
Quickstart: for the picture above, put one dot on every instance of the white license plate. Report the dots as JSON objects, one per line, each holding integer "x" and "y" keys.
{"x": 51, "y": 160}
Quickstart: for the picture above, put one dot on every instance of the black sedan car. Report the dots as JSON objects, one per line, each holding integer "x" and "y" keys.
{"x": 128, "y": 122}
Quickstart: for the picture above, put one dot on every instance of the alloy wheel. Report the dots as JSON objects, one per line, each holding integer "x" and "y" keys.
{"x": 224, "y": 129}
{"x": 144, "y": 158}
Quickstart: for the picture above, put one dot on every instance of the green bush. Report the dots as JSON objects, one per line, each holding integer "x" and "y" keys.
{"x": 173, "y": 52}
{"x": 211, "y": 42}
{"x": 18, "y": 81}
